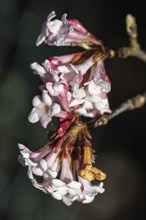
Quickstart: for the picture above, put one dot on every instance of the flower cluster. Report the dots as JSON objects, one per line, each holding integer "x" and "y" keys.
{"x": 73, "y": 85}
{"x": 65, "y": 165}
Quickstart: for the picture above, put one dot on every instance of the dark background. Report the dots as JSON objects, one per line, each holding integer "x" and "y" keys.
{"x": 120, "y": 146}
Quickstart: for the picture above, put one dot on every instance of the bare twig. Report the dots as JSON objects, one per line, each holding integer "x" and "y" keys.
{"x": 134, "y": 49}
{"x": 131, "y": 104}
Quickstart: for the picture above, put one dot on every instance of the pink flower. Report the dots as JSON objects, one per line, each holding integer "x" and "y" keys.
{"x": 60, "y": 91}
{"x": 65, "y": 32}
{"x": 61, "y": 68}
{"x": 89, "y": 106}
{"x": 85, "y": 193}
{"x": 47, "y": 71}
{"x": 99, "y": 78}
{"x": 69, "y": 58}
{"x": 44, "y": 109}
{"x": 29, "y": 158}
{"x": 74, "y": 74}
{"x": 90, "y": 98}
{"x": 78, "y": 88}
{"x": 88, "y": 191}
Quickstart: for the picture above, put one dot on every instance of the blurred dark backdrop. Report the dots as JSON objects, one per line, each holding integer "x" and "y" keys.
{"x": 120, "y": 146}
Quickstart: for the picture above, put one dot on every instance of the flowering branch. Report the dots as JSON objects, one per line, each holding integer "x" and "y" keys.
{"x": 131, "y": 104}
{"x": 74, "y": 85}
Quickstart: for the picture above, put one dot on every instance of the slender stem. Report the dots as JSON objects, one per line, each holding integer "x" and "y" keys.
{"x": 131, "y": 104}
{"x": 133, "y": 50}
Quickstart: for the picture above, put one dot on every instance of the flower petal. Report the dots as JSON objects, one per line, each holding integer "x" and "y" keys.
{"x": 77, "y": 25}
{"x": 38, "y": 186}
{"x": 43, "y": 164}
{"x": 61, "y": 114}
{"x": 57, "y": 183}
{"x": 50, "y": 159}
{"x": 36, "y": 101}
{"x": 44, "y": 120}
{"x": 83, "y": 67}
{"x": 33, "y": 116}
{"x": 49, "y": 86}
{"x": 76, "y": 102}
{"x": 94, "y": 89}
{"x": 81, "y": 111}
{"x": 67, "y": 200}
{"x": 87, "y": 105}
{"x": 99, "y": 188}
{"x": 46, "y": 98}
{"x": 24, "y": 151}
{"x": 55, "y": 109}
{"x": 62, "y": 190}
{"x": 73, "y": 192}
{"x": 30, "y": 163}
{"x": 37, "y": 171}
{"x": 66, "y": 173}
{"x": 52, "y": 173}
{"x": 41, "y": 38}
{"x": 79, "y": 93}
{"x": 64, "y": 69}
{"x": 56, "y": 195}
{"x": 38, "y": 69}
{"x": 29, "y": 173}
{"x": 74, "y": 185}
{"x": 21, "y": 160}
{"x": 88, "y": 199}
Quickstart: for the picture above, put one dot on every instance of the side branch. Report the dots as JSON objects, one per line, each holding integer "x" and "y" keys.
{"x": 134, "y": 48}
{"x": 131, "y": 104}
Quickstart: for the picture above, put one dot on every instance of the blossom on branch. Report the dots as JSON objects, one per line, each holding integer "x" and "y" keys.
{"x": 73, "y": 85}
{"x": 62, "y": 168}
{"x": 65, "y": 32}
{"x": 80, "y": 87}
{"x": 44, "y": 109}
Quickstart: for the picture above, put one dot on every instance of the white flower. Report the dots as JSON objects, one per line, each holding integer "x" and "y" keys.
{"x": 90, "y": 98}
{"x": 48, "y": 169}
{"x": 54, "y": 32}
{"x": 60, "y": 91}
{"x": 87, "y": 101}
{"x": 65, "y": 32}
{"x": 89, "y": 191}
{"x": 44, "y": 109}
{"x": 48, "y": 70}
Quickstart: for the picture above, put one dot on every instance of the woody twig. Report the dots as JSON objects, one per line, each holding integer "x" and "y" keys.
{"x": 136, "y": 102}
